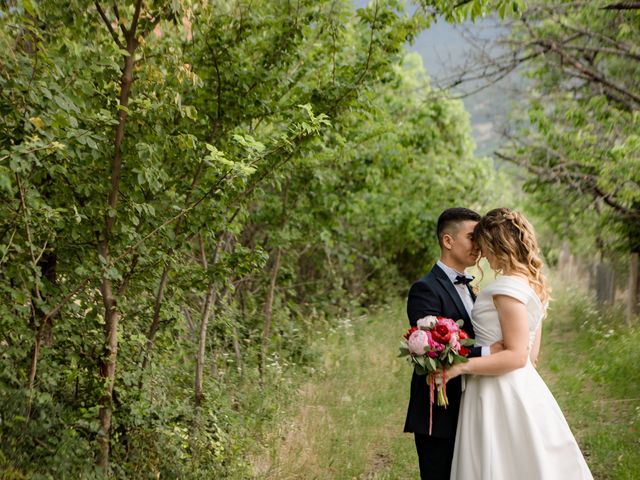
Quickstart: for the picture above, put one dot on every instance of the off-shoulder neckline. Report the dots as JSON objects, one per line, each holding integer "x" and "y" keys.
{"x": 524, "y": 283}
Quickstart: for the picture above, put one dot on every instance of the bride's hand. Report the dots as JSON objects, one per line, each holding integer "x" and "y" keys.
{"x": 454, "y": 371}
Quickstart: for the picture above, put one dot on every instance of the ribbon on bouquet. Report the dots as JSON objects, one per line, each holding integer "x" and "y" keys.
{"x": 438, "y": 383}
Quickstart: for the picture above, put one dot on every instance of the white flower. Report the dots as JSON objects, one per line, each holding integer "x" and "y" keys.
{"x": 427, "y": 323}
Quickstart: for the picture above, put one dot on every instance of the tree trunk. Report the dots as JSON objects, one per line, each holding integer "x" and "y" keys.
{"x": 108, "y": 370}
{"x": 34, "y": 366}
{"x": 632, "y": 305}
{"x": 202, "y": 343}
{"x": 236, "y": 347}
{"x": 268, "y": 304}
{"x": 210, "y": 300}
{"x": 43, "y": 327}
{"x": 268, "y": 313}
{"x": 111, "y": 313}
{"x": 155, "y": 323}
{"x": 243, "y": 312}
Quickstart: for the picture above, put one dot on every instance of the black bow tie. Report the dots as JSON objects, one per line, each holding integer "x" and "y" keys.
{"x": 460, "y": 279}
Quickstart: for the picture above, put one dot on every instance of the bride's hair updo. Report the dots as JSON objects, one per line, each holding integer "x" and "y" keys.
{"x": 510, "y": 238}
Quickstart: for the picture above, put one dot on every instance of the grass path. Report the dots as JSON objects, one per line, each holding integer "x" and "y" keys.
{"x": 591, "y": 362}
{"x": 346, "y": 422}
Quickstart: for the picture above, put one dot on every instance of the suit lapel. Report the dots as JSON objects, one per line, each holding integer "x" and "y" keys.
{"x": 453, "y": 293}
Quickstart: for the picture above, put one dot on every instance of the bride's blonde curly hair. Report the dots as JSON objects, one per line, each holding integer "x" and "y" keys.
{"x": 510, "y": 238}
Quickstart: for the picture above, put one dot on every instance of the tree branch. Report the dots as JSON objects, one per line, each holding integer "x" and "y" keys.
{"x": 114, "y": 34}
{"x": 611, "y": 51}
{"x": 612, "y": 41}
{"x": 591, "y": 73}
{"x": 136, "y": 17}
{"x": 122, "y": 27}
{"x": 461, "y": 3}
{"x": 581, "y": 181}
{"x": 367, "y": 62}
{"x": 54, "y": 311}
{"x": 623, "y": 6}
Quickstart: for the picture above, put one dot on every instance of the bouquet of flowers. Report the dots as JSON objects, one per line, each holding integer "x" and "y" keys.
{"x": 434, "y": 345}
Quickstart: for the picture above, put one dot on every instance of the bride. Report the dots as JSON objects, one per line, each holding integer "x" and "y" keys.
{"x": 510, "y": 426}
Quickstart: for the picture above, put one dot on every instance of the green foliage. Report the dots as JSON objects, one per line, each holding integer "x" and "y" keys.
{"x": 472, "y": 9}
{"x": 265, "y": 143}
{"x": 580, "y": 141}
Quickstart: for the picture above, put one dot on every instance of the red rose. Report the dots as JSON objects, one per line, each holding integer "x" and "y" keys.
{"x": 409, "y": 332}
{"x": 462, "y": 335}
{"x": 464, "y": 351}
{"x": 441, "y": 333}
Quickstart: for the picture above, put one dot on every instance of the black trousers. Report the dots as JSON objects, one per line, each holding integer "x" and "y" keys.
{"x": 434, "y": 456}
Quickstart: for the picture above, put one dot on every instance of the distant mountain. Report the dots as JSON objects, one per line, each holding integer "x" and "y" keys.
{"x": 447, "y": 50}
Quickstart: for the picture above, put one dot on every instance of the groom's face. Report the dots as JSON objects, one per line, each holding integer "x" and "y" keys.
{"x": 462, "y": 248}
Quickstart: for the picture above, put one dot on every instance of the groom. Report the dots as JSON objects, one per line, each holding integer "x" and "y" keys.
{"x": 444, "y": 292}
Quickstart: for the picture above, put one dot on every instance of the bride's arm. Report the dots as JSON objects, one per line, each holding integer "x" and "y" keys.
{"x": 515, "y": 334}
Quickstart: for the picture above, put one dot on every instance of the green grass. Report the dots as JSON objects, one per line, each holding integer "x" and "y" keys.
{"x": 346, "y": 422}
{"x": 591, "y": 362}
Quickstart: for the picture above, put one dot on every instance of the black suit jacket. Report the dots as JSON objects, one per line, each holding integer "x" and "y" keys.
{"x": 434, "y": 294}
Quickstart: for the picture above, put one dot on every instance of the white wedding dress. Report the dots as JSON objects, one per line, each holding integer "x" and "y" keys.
{"x": 510, "y": 426}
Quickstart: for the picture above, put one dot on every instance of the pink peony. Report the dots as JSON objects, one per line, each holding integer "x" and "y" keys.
{"x": 421, "y": 342}
{"x": 418, "y": 341}
{"x": 455, "y": 343}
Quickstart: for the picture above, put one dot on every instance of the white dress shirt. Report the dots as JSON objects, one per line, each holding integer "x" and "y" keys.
{"x": 464, "y": 293}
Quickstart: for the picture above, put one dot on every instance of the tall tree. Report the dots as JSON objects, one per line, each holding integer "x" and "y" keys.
{"x": 582, "y": 138}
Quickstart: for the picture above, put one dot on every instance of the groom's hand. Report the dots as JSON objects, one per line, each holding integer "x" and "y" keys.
{"x": 497, "y": 347}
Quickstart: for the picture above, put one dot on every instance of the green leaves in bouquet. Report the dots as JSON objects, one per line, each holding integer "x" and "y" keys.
{"x": 431, "y": 363}
{"x": 423, "y": 364}
{"x": 420, "y": 365}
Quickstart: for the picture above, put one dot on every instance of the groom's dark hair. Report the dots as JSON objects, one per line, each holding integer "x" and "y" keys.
{"x": 449, "y": 219}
